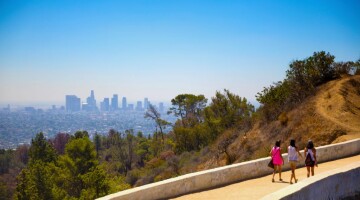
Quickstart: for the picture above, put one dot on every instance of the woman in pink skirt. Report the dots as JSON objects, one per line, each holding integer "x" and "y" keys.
{"x": 277, "y": 158}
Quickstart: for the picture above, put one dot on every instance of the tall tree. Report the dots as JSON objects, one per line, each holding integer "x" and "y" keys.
{"x": 80, "y": 174}
{"x": 97, "y": 142}
{"x": 156, "y": 116}
{"x": 228, "y": 110}
{"x": 189, "y": 108}
{"x": 41, "y": 149}
{"x": 35, "y": 181}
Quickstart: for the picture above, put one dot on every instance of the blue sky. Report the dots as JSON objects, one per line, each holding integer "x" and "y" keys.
{"x": 159, "y": 49}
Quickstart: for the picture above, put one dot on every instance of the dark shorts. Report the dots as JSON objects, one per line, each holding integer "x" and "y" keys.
{"x": 312, "y": 164}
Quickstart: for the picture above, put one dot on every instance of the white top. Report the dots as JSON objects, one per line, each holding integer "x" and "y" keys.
{"x": 292, "y": 154}
{"x": 309, "y": 151}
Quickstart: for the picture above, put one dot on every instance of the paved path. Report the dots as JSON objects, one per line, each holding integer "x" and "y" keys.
{"x": 260, "y": 187}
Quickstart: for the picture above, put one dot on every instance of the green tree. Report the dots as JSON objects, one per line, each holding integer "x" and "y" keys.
{"x": 228, "y": 110}
{"x": 97, "y": 141}
{"x": 4, "y": 193}
{"x": 80, "y": 175}
{"x": 36, "y": 181}
{"x": 189, "y": 108}
{"x": 142, "y": 150}
{"x": 5, "y": 160}
{"x": 302, "y": 77}
{"x": 160, "y": 123}
{"x": 188, "y": 131}
{"x": 41, "y": 149}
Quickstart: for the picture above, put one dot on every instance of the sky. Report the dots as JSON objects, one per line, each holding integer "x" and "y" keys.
{"x": 159, "y": 49}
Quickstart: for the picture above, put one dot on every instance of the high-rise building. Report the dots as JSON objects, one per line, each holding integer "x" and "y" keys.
{"x": 124, "y": 103}
{"x": 139, "y": 106}
{"x": 72, "y": 103}
{"x": 91, "y": 103}
{"x": 105, "y": 105}
{"x": 130, "y": 107}
{"x": 146, "y": 103}
{"x": 161, "y": 107}
{"x": 114, "y": 102}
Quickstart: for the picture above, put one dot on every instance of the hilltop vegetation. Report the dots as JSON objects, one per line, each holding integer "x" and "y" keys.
{"x": 318, "y": 99}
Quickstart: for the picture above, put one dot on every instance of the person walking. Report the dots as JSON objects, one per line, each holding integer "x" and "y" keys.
{"x": 293, "y": 153}
{"x": 310, "y": 158}
{"x": 277, "y": 159}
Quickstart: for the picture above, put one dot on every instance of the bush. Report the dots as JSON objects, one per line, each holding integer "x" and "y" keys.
{"x": 283, "y": 118}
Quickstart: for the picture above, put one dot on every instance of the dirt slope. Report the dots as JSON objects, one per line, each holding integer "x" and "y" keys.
{"x": 339, "y": 102}
{"x": 332, "y": 115}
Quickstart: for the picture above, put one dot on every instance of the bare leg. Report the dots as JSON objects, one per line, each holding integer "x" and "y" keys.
{"x": 279, "y": 168}
{"x": 308, "y": 171}
{"x": 274, "y": 173}
{"x": 292, "y": 174}
{"x": 312, "y": 171}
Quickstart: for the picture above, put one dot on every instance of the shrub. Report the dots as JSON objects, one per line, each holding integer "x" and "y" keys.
{"x": 283, "y": 118}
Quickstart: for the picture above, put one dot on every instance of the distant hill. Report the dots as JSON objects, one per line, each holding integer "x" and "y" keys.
{"x": 331, "y": 115}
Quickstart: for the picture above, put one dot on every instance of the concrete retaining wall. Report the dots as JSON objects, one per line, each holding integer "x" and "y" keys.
{"x": 336, "y": 184}
{"x": 226, "y": 175}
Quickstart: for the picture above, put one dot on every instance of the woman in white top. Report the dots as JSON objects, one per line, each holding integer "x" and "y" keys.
{"x": 293, "y": 153}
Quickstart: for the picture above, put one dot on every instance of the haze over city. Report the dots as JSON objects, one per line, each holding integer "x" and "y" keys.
{"x": 159, "y": 49}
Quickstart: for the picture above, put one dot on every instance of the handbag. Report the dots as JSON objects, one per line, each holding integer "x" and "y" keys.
{"x": 271, "y": 164}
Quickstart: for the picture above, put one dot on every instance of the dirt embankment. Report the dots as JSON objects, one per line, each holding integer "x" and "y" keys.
{"x": 332, "y": 115}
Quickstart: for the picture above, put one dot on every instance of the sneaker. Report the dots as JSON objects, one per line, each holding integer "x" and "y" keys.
{"x": 280, "y": 180}
{"x": 296, "y": 180}
{"x": 291, "y": 182}
{"x": 273, "y": 180}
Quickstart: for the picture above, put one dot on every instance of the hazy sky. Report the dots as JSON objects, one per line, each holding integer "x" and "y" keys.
{"x": 159, "y": 49}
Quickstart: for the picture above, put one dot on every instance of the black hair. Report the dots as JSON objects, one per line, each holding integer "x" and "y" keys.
{"x": 292, "y": 143}
{"x": 310, "y": 145}
{"x": 277, "y": 143}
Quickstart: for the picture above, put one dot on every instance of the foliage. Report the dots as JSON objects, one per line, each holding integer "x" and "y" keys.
{"x": 11, "y": 164}
{"x": 228, "y": 110}
{"x": 156, "y": 116}
{"x": 4, "y": 194}
{"x": 41, "y": 149}
{"x": 76, "y": 174}
{"x": 35, "y": 181}
{"x": 302, "y": 77}
{"x": 5, "y": 160}
{"x": 189, "y": 108}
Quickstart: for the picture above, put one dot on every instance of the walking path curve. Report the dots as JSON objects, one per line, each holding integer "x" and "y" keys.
{"x": 260, "y": 187}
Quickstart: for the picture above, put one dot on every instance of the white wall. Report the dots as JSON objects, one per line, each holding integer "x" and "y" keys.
{"x": 335, "y": 184}
{"x": 226, "y": 175}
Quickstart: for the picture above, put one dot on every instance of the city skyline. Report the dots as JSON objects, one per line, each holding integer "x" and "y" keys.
{"x": 113, "y": 102}
{"x": 159, "y": 49}
{"x": 74, "y": 104}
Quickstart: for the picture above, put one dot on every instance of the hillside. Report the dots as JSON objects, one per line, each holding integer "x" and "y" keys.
{"x": 331, "y": 115}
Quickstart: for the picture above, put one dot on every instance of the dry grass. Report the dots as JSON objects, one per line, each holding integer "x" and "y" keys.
{"x": 332, "y": 115}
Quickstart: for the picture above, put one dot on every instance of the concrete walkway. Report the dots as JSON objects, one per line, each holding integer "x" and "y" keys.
{"x": 260, "y": 187}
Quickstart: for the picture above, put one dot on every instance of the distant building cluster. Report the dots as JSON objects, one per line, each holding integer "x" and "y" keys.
{"x": 74, "y": 104}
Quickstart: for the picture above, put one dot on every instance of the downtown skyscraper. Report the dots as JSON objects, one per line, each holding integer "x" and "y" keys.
{"x": 90, "y": 104}
{"x": 72, "y": 103}
{"x": 124, "y": 103}
{"x": 114, "y": 103}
